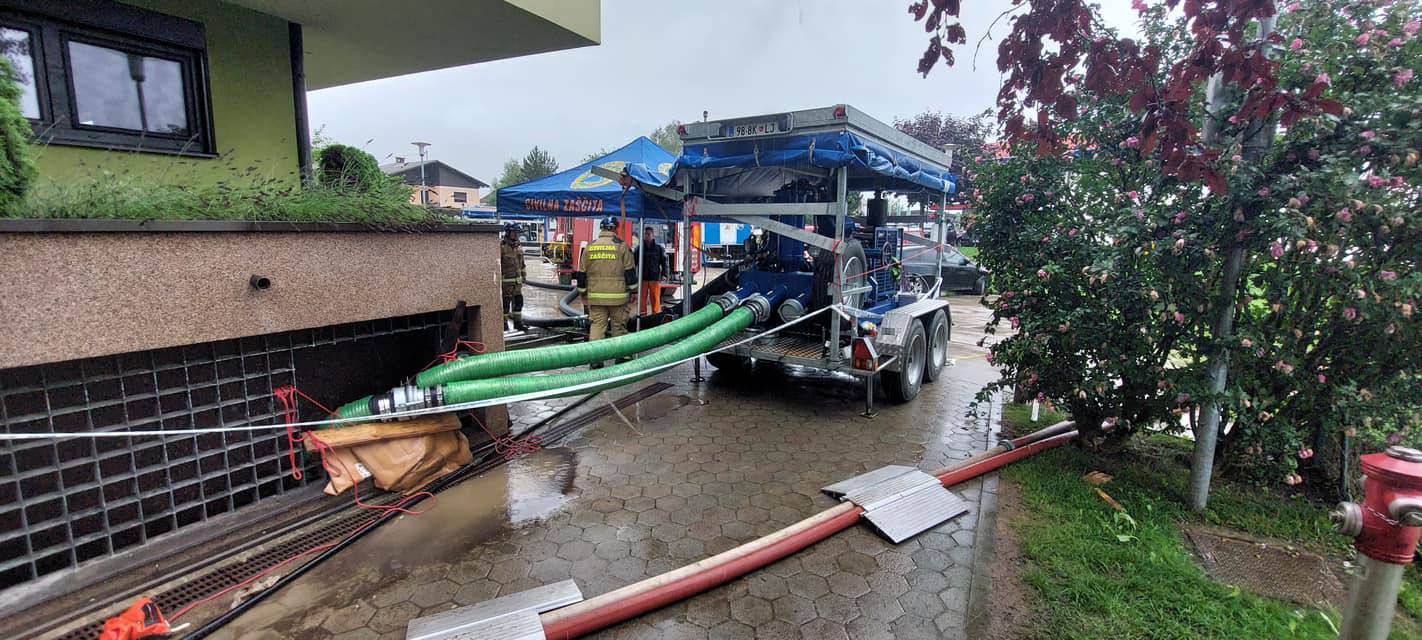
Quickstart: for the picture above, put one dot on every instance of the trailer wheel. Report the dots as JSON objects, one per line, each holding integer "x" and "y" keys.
{"x": 729, "y": 362}
{"x": 903, "y": 385}
{"x": 938, "y": 332}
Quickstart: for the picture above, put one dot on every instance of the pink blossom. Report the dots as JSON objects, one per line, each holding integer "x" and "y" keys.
{"x": 1365, "y": 150}
{"x": 1276, "y": 250}
{"x": 1297, "y": 44}
{"x": 1344, "y": 215}
{"x": 1312, "y": 245}
{"x": 1015, "y": 322}
{"x": 1264, "y": 192}
{"x": 1133, "y": 142}
{"x": 1313, "y": 154}
{"x": 1023, "y": 179}
{"x": 1071, "y": 233}
{"x": 1139, "y": 213}
{"x": 1284, "y": 367}
{"x": 1236, "y": 158}
{"x": 1027, "y": 197}
{"x": 1179, "y": 217}
{"x": 1179, "y": 318}
{"x": 1246, "y": 343}
{"x": 1402, "y": 77}
{"x": 1376, "y": 181}
{"x": 1412, "y": 27}
{"x": 1395, "y": 43}
{"x": 1323, "y": 79}
{"x": 1049, "y": 194}
{"x": 1350, "y": 314}
{"x": 1139, "y": 6}
{"x": 1322, "y": 379}
{"x": 1293, "y": 6}
{"x": 1398, "y": 182}
{"x": 1360, "y": 294}
{"x": 1368, "y": 135}
{"x": 1387, "y": 276}
{"x": 1364, "y": 39}
{"x": 1008, "y": 295}
{"x": 1042, "y": 274}
{"x": 1133, "y": 195}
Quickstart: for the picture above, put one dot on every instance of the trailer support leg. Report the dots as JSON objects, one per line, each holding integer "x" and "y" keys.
{"x": 696, "y": 371}
{"x": 869, "y": 411}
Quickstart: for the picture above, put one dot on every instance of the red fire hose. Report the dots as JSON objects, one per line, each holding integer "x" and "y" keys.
{"x": 658, "y": 591}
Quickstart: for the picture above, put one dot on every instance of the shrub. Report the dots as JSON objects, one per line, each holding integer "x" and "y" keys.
{"x": 1111, "y": 266}
{"x": 340, "y": 166}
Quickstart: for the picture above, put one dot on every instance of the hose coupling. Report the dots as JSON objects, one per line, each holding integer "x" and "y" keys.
{"x": 406, "y": 398}
{"x": 727, "y": 301}
{"x": 1347, "y": 519}
{"x": 760, "y": 305}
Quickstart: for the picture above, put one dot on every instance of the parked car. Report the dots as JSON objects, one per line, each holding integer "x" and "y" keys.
{"x": 960, "y": 273}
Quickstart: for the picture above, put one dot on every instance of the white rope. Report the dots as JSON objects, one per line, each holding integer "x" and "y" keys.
{"x": 526, "y": 397}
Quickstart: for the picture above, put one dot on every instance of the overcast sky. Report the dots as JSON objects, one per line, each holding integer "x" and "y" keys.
{"x": 662, "y": 61}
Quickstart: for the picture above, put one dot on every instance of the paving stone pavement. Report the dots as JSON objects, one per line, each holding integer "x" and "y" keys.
{"x": 674, "y": 483}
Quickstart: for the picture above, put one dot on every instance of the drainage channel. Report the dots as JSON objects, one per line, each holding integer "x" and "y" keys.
{"x": 345, "y": 526}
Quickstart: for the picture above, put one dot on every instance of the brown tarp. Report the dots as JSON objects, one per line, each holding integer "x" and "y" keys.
{"x": 403, "y": 464}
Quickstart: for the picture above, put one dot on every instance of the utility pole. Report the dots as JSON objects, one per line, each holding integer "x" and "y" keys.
{"x": 1202, "y": 465}
{"x": 424, "y": 193}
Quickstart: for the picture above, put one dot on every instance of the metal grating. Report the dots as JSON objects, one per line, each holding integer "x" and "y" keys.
{"x": 64, "y": 502}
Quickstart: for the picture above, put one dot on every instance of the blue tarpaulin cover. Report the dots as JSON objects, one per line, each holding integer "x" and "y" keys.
{"x": 750, "y": 166}
{"x": 578, "y": 192}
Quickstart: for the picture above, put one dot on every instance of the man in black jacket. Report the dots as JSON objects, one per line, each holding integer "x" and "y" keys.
{"x": 652, "y": 256}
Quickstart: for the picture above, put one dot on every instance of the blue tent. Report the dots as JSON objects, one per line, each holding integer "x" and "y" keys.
{"x": 578, "y": 192}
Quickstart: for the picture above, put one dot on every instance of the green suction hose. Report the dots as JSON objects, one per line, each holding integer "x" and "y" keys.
{"x": 474, "y": 390}
{"x": 503, "y": 363}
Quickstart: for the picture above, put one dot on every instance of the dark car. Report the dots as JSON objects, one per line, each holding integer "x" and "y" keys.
{"x": 959, "y": 272}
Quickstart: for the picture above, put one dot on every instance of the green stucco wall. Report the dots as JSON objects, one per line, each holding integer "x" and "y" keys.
{"x": 253, "y": 115}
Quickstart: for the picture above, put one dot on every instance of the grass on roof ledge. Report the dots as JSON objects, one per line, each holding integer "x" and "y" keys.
{"x": 125, "y": 198}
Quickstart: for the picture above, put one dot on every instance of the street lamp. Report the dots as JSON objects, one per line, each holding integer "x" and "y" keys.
{"x": 424, "y": 195}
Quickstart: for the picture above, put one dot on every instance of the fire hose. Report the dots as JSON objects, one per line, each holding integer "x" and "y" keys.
{"x": 653, "y": 593}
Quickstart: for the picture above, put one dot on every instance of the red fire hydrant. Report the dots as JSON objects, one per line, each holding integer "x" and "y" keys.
{"x": 1387, "y": 527}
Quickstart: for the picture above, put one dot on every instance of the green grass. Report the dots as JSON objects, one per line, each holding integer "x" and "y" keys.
{"x": 1102, "y": 575}
{"x": 1017, "y": 419}
{"x": 129, "y": 198}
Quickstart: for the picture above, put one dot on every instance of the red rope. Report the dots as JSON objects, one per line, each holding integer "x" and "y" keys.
{"x": 508, "y": 446}
{"x": 453, "y": 354}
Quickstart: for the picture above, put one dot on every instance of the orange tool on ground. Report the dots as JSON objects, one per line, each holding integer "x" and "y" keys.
{"x": 142, "y": 620}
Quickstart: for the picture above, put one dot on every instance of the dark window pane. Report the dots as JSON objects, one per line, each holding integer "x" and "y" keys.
{"x": 460, "y": 196}
{"x": 16, "y": 46}
{"x": 115, "y": 88}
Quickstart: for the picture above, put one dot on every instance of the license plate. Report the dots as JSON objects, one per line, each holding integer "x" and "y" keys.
{"x": 753, "y": 129}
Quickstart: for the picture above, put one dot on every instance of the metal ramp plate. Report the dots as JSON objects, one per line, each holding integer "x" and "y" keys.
{"x": 865, "y": 479}
{"x": 900, "y": 502}
{"x": 511, "y": 617}
{"x": 916, "y": 512}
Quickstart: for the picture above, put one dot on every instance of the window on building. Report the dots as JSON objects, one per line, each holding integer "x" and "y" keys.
{"x": 111, "y": 76}
{"x": 460, "y": 196}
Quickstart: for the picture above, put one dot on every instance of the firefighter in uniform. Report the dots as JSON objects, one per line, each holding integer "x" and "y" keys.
{"x": 512, "y": 271}
{"x": 606, "y": 282}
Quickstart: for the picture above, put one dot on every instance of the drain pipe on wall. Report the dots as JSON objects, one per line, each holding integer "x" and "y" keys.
{"x": 633, "y": 600}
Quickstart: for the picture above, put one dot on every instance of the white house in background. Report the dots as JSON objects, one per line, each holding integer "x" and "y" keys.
{"x": 445, "y": 186}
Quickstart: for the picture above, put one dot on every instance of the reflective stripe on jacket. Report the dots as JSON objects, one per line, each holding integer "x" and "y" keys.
{"x": 609, "y": 273}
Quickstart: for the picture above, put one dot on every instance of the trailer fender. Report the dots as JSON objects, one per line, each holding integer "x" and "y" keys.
{"x": 894, "y": 328}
